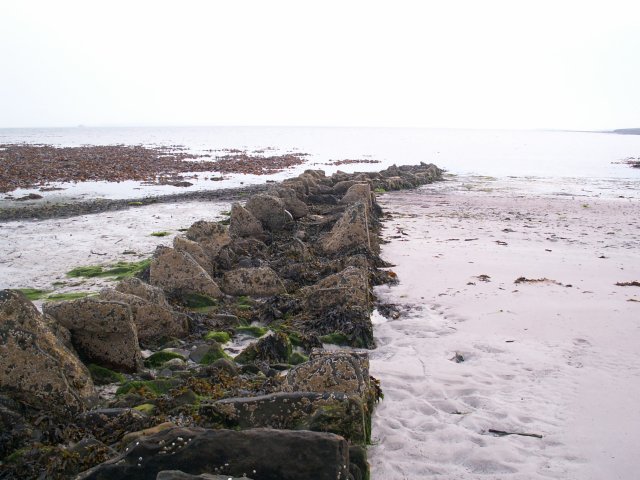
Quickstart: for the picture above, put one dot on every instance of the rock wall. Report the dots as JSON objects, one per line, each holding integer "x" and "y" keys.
{"x": 237, "y": 316}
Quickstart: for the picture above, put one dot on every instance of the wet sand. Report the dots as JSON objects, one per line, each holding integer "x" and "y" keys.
{"x": 555, "y": 358}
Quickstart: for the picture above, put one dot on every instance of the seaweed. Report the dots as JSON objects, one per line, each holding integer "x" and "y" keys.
{"x": 117, "y": 271}
{"x": 159, "y": 358}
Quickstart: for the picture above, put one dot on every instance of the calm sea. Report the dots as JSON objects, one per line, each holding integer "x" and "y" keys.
{"x": 578, "y": 157}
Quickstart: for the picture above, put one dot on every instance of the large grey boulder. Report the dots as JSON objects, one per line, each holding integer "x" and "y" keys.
{"x": 135, "y": 286}
{"x": 152, "y": 321}
{"x": 338, "y": 372}
{"x": 212, "y": 236}
{"x": 262, "y": 454}
{"x": 358, "y": 192}
{"x": 296, "y": 207}
{"x": 172, "y": 270}
{"x": 269, "y": 210}
{"x": 243, "y": 224}
{"x": 350, "y": 231}
{"x": 253, "y": 281}
{"x": 347, "y": 288}
{"x": 101, "y": 331}
{"x": 196, "y": 251}
{"x": 36, "y": 368}
{"x": 316, "y": 411}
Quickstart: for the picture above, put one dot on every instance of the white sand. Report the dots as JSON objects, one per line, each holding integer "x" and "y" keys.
{"x": 35, "y": 254}
{"x": 548, "y": 359}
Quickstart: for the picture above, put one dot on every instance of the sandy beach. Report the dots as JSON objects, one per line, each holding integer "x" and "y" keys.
{"x": 471, "y": 350}
{"x": 37, "y": 254}
{"x": 470, "y": 347}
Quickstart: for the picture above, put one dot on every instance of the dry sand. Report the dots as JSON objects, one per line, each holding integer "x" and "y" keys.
{"x": 557, "y": 358}
{"x": 35, "y": 254}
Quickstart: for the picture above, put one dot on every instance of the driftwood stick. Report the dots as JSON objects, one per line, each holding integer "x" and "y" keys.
{"x": 502, "y": 433}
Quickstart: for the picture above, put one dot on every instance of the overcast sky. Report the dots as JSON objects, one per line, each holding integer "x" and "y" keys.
{"x": 479, "y": 64}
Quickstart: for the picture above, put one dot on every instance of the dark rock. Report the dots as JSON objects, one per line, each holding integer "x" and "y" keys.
{"x": 109, "y": 425}
{"x": 179, "y": 475}
{"x": 351, "y": 231}
{"x": 319, "y": 412}
{"x": 224, "y": 365}
{"x": 272, "y": 348}
{"x": 269, "y": 211}
{"x": 262, "y": 454}
{"x": 292, "y": 203}
{"x": 243, "y": 224}
{"x": 258, "y": 282}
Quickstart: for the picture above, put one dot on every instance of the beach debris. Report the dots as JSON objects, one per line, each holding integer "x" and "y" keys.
{"x": 502, "y": 433}
{"x": 484, "y": 278}
{"x": 634, "y": 283}
{"x": 500, "y": 242}
{"x": 538, "y": 280}
{"x": 457, "y": 358}
{"x": 350, "y": 162}
{"x": 31, "y": 196}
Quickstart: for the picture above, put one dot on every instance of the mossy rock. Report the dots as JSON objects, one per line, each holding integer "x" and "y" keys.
{"x": 159, "y": 358}
{"x": 253, "y": 330}
{"x": 147, "y": 388}
{"x": 104, "y": 376}
{"x": 296, "y": 358}
{"x": 214, "y": 353}
{"x": 199, "y": 303}
{"x": 335, "y": 338}
{"x": 146, "y": 408}
{"x": 220, "y": 337}
{"x": 274, "y": 348}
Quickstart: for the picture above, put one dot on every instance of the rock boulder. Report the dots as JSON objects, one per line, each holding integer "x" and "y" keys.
{"x": 263, "y": 454}
{"x": 256, "y": 281}
{"x": 183, "y": 244}
{"x": 101, "y": 331}
{"x": 350, "y": 231}
{"x": 212, "y": 236}
{"x": 36, "y": 368}
{"x": 269, "y": 210}
{"x": 152, "y": 321}
{"x": 319, "y": 412}
{"x": 172, "y": 270}
{"x": 243, "y": 224}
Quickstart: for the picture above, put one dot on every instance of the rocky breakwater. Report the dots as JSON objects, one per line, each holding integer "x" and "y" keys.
{"x": 240, "y": 351}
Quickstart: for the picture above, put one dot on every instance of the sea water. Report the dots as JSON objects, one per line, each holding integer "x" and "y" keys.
{"x": 555, "y": 159}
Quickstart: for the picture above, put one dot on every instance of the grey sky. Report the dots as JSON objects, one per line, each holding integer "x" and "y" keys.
{"x": 481, "y": 64}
